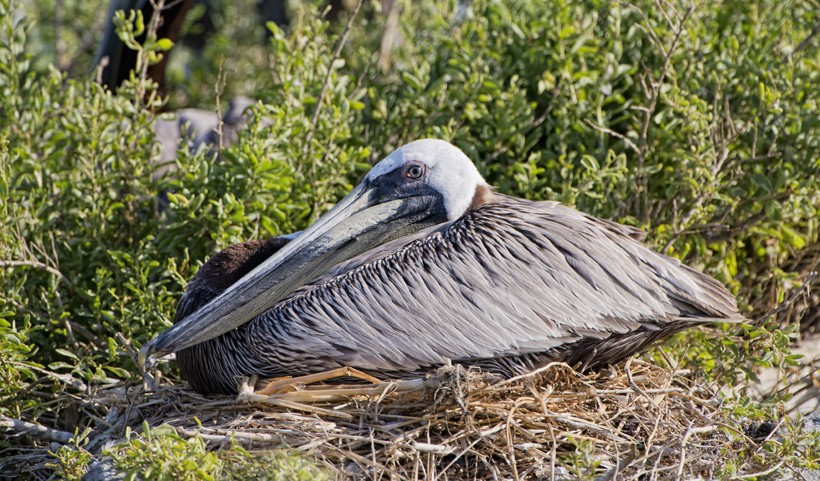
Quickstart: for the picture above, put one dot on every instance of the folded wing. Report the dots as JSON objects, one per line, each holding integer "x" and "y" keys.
{"x": 510, "y": 278}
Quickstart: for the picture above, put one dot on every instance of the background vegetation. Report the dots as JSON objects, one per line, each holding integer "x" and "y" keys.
{"x": 695, "y": 122}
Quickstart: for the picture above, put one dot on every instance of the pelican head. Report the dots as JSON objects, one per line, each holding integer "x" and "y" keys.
{"x": 432, "y": 165}
{"x": 419, "y": 185}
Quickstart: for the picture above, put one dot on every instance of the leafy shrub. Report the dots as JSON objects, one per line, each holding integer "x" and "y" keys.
{"x": 162, "y": 454}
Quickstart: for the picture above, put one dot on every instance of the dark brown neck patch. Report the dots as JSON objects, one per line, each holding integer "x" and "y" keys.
{"x": 483, "y": 195}
{"x": 230, "y": 265}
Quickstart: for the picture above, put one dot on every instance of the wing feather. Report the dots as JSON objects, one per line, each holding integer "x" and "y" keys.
{"x": 511, "y": 278}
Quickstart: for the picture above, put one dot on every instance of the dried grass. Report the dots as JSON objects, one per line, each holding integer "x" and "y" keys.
{"x": 552, "y": 424}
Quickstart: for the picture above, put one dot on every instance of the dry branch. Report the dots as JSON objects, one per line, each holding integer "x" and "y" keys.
{"x": 21, "y": 427}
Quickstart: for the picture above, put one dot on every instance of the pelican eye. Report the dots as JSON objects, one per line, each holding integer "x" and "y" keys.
{"x": 414, "y": 170}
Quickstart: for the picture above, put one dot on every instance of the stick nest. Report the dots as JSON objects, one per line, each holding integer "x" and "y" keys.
{"x": 555, "y": 423}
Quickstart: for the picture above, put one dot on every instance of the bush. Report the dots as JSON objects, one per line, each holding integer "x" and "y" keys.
{"x": 162, "y": 454}
{"x": 697, "y": 124}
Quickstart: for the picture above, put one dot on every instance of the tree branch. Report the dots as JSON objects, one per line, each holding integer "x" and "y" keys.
{"x": 35, "y": 264}
{"x": 24, "y": 427}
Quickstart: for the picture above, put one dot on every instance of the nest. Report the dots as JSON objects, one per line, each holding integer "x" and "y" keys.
{"x": 555, "y": 423}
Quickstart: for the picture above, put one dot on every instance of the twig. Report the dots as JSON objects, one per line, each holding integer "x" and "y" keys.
{"x": 25, "y": 427}
{"x": 439, "y": 449}
{"x": 59, "y": 41}
{"x": 295, "y": 405}
{"x": 611, "y": 132}
{"x": 150, "y": 381}
{"x": 804, "y": 289}
{"x": 83, "y": 331}
{"x": 761, "y": 474}
{"x": 390, "y": 34}
{"x": 230, "y": 436}
{"x": 219, "y": 86}
{"x": 620, "y": 465}
{"x": 67, "y": 379}
{"x": 806, "y": 41}
{"x": 652, "y": 35}
{"x": 689, "y": 433}
{"x": 142, "y": 56}
{"x": 339, "y": 45}
{"x": 35, "y": 264}
{"x": 536, "y": 372}
{"x": 656, "y": 85}
{"x": 635, "y": 386}
{"x": 323, "y": 93}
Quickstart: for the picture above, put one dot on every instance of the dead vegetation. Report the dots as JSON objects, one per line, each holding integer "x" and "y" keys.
{"x": 624, "y": 423}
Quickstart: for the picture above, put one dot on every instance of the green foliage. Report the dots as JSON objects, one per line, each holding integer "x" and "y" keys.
{"x": 16, "y": 371}
{"x": 791, "y": 445}
{"x": 65, "y": 34}
{"x": 739, "y": 352}
{"x": 161, "y": 454}
{"x": 73, "y": 459}
{"x": 276, "y": 466}
{"x": 129, "y": 28}
{"x": 698, "y": 125}
{"x": 580, "y": 463}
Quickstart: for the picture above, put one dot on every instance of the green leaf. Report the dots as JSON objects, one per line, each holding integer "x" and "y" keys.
{"x": 67, "y": 353}
{"x": 164, "y": 44}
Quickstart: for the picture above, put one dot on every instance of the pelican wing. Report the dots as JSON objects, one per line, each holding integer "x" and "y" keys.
{"x": 510, "y": 278}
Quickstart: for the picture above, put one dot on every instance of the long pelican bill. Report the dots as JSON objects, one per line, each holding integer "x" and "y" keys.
{"x": 359, "y": 222}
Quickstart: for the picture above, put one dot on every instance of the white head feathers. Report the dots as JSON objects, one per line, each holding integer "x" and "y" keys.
{"x": 450, "y": 171}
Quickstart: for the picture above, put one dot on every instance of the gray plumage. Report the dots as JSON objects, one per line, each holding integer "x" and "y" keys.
{"x": 509, "y": 286}
{"x": 199, "y": 129}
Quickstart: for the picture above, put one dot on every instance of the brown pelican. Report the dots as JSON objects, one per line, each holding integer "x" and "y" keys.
{"x": 423, "y": 262}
